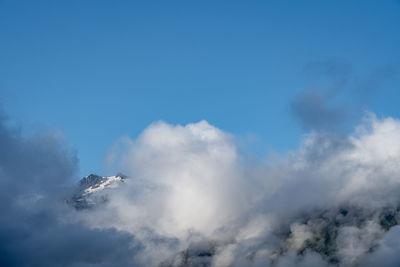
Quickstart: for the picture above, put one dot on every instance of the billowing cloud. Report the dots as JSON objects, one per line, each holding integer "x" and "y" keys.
{"x": 189, "y": 184}
{"x": 194, "y": 171}
{"x": 192, "y": 199}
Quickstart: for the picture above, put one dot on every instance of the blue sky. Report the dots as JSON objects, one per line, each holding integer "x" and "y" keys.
{"x": 99, "y": 70}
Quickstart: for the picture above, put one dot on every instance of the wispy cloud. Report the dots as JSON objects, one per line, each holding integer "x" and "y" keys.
{"x": 337, "y": 96}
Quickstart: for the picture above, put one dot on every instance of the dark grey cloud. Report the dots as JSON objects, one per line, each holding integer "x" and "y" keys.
{"x": 35, "y": 174}
{"x": 337, "y": 97}
{"x": 314, "y": 111}
{"x": 320, "y": 107}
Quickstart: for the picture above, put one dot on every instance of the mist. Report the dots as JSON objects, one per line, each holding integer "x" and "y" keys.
{"x": 190, "y": 186}
{"x": 193, "y": 200}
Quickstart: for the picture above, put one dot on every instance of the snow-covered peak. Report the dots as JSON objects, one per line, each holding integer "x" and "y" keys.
{"x": 92, "y": 183}
{"x": 92, "y": 189}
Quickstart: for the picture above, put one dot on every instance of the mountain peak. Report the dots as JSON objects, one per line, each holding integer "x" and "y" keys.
{"x": 92, "y": 189}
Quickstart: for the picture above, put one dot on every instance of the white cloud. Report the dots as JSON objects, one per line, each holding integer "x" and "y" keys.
{"x": 190, "y": 181}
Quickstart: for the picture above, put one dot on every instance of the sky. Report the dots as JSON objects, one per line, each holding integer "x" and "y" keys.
{"x": 250, "y": 133}
{"x": 260, "y": 70}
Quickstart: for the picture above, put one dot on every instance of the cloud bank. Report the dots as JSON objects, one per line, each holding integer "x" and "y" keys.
{"x": 35, "y": 224}
{"x": 192, "y": 200}
{"x": 190, "y": 180}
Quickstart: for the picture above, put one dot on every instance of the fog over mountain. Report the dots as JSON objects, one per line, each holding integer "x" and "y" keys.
{"x": 189, "y": 198}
